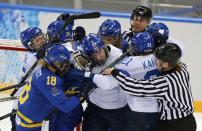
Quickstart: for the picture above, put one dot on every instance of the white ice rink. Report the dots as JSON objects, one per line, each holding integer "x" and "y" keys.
{"x": 6, "y": 107}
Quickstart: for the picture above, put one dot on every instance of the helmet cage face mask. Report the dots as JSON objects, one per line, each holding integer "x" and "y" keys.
{"x": 57, "y": 56}
{"x": 61, "y": 68}
{"x": 37, "y": 42}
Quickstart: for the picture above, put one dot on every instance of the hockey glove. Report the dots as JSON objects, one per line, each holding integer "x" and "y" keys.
{"x": 79, "y": 33}
{"x": 40, "y": 52}
{"x": 86, "y": 88}
{"x": 75, "y": 74}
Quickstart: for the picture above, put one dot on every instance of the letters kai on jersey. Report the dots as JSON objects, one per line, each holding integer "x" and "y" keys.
{"x": 148, "y": 63}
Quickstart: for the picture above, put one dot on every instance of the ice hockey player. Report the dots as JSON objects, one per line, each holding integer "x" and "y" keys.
{"x": 63, "y": 121}
{"x": 32, "y": 39}
{"x": 144, "y": 114}
{"x": 110, "y": 33}
{"x": 45, "y": 89}
{"x": 105, "y": 108}
{"x": 139, "y": 20}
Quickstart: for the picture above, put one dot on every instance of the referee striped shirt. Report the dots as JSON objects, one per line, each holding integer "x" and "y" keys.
{"x": 172, "y": 90}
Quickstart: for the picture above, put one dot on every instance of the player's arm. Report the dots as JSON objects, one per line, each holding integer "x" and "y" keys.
{"x": 105, "y": 82}
{"x": 50, "y": 88}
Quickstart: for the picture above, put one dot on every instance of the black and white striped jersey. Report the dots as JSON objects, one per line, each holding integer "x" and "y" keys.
{"x": 173, "y": 91}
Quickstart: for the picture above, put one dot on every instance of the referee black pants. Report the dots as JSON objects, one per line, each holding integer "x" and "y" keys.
{"x": 183, "y": 124}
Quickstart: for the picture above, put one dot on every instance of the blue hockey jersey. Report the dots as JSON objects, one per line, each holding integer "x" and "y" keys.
{"x": 41, "y": 95}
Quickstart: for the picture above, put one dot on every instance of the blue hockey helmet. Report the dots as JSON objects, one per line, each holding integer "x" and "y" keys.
{"x": 142, "y": 43}
{"x": 55, "y": 27}
{"x": 28, "y": 35}
{"x": 160, "y": 28}
{"x": 111, "y": 28}
{"x": 56, "y": 53}
{"x": 91, "y": 44}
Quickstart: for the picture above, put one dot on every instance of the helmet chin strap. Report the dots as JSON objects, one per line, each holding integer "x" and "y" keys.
{"x": 60, "y": 70}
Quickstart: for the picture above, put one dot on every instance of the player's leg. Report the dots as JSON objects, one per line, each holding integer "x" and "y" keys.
{"x": 15, "y": 105}
{"x": 23, "y": 125}
{"x": 94, "y": 119}
{"x": 139, "y": 121}
{"x": 184, "y": 124}
{"x": 117, "y": 119}
{"x": 61, "y": 121}
{"x": 12, "y": 119}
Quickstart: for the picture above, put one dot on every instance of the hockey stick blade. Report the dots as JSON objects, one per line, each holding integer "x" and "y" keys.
{"x": 71, "y": 18}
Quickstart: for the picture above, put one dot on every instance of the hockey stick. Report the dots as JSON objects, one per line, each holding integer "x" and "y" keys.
{"x": 11, "y": 87}
{"x": 8, "y": 115}
{"x": 8, "y": 99}
{"x": 71, "y": 18}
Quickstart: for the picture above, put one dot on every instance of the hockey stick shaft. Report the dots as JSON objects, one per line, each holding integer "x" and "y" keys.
{"x": 22, "y": 82}
{"x": 25, "y": 77}
{"x": 8, "y": 99}
{"x": 13, "y": 86}
{"x": 7, "y": 115}
{"x": 117, "y": 60}
{"x": 114, "y": 63}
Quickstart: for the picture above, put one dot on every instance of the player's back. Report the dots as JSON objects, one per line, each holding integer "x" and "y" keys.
{"x": 141, "y": 67}
{"x": 32, "y": 103}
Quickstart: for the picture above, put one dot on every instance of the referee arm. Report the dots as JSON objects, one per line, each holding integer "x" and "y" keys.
{"x": 145, "y": 88}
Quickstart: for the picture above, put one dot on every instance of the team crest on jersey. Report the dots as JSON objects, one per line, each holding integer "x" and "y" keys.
{"x": 54, "y": 91}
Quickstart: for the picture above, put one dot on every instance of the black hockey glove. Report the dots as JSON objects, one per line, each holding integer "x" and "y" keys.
{"x": 79, "y": 33}
{"x": 40, "y": 52}
{"x": 86, "y": 88}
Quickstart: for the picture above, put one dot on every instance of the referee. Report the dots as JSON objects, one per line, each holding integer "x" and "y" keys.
{"x": 172, "y": 89}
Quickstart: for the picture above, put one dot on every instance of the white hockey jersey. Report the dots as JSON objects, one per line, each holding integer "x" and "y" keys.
{"x": 108, "y": 99}
{"x": 139, "y": 67}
